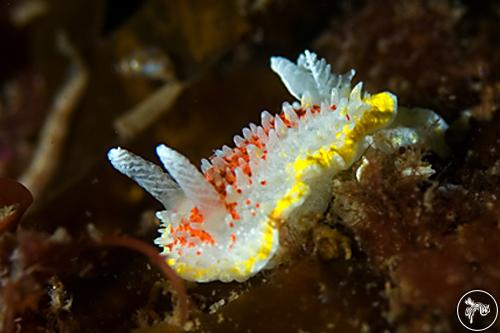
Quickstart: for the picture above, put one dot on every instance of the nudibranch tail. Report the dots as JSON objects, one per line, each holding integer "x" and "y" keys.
{"x": 427, "y": 125}
{"x": 147, "y": 175}
{"x": 223, "y": 223}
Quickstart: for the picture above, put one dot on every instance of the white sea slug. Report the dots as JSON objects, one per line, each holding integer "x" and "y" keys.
{"x": 223, "y": 223}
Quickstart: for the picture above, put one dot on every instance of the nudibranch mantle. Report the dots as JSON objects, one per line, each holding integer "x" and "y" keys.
{"x": 223, "y": 223}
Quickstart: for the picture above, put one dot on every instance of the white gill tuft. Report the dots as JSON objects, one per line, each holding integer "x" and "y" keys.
{"x": 247, "y": 134}
{"x": 238, "y": 140}
{"x": 266, "y": 119}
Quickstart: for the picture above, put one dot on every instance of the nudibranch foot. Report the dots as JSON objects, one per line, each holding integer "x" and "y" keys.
{"x": 223, "y": 222}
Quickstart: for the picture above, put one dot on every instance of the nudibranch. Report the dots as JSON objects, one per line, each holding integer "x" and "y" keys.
{"x": 223, "y": 223}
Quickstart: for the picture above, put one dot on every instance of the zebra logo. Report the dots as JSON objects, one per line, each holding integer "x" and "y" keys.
{"x": 477, "y": 310}
{"x": 484, "y": 309}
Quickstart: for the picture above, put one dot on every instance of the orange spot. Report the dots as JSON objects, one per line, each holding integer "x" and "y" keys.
{"x": 247, "y": 170}
{"x": 182, "y": 240}
{"x": 231, "y": 208}
{"x": 231, "y": 205}
{"x": 301, "y": 113}
{"x": 256, "y": 141}
{"x": 203, "y": 236}
{"x": 285, "y": 120}
{"x": 184, "y": 230}
{"x": 219, "y": 186}
{"x": 230, "y": 177}
{"x": 233, "y": 240}
{"x": 315, "y": 108}
{"x": 196, "y": 216}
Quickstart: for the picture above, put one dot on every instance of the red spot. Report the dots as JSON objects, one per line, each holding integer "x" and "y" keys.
{"x": 257, "y": 205}
{"x": 263, "y": 183}
{"x": 347, "y": 117}
{"x": 198, "y": 252}
{"x": 333, "y": 107}
{"x": 231, "y": 225}
{"x": 238, "y": 190}
{"x": 248, "y": 202}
